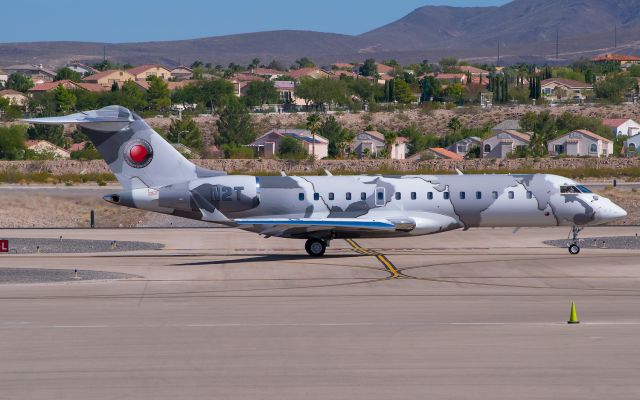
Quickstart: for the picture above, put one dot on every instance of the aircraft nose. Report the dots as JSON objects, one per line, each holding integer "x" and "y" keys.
{"x": 612, "y": 212}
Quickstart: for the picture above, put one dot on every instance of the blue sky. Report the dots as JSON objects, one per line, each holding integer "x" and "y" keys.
{"x": 38, "y": 20}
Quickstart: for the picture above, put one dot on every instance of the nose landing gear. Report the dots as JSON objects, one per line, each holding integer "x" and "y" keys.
{"x": 574, "y": 248}
{"x": 315, "y": 247}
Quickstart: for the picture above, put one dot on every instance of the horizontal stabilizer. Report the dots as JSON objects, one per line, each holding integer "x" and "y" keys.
{"x": 107, "y": 114}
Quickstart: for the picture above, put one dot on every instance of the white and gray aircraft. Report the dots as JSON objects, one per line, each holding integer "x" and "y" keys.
{"x": 156, "y": 177}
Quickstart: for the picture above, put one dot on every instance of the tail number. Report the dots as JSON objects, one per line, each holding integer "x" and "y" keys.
{"x": 225, "y": 193}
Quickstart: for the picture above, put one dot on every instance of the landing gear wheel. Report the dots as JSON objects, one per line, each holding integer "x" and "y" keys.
{"x": 315, "y": 247}
{"x": 574, "y": 249}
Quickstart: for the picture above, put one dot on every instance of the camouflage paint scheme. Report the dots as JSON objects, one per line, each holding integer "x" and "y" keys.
{"x": 327, "y": 207}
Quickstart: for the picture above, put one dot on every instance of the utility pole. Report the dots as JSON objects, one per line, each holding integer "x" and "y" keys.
{"x": 557, "y": 43}
{"x": 104, "y": 53}
{"x": 498, "y": 63}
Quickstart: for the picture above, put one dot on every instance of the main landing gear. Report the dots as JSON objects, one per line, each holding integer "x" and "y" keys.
{"x": 574, "y": 248}
{"x": 315, "y": 247}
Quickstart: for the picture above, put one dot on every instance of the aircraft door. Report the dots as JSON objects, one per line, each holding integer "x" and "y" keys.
{"x": 380, "y": 197}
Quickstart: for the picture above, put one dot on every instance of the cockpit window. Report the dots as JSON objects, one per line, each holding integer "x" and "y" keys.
{"x": 569, "y": 190}
{"x": 584, "y": 189}
{"x": 574, "y": 189}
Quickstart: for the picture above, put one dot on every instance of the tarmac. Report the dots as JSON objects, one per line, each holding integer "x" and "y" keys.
{"x": 223, "y": 314}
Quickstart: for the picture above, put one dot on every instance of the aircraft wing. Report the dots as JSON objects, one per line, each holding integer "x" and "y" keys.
{"x": 278, "y": 226}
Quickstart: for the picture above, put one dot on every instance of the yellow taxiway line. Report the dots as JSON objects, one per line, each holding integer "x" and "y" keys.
{"x": 388, "y": 265}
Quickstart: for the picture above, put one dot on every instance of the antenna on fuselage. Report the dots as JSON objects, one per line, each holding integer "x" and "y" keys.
{"x": 459, "y": 172}
{"x": 282, "y": 173}
{"x": 326, "y": 171}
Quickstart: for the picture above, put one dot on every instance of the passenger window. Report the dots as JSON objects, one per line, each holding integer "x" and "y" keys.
{"x": 430, "y": 196}
{"x": 414, "y": 195}
{"x": 463, "y": 195}
{"x": 331, "y": 196}
{"x": 512, "y": 195}
{"x": 494, "y": 195}
{"x": 446, "y": 195}
{"x": 363, "y": 196}
{"x": 398, "y": 196}
{"x": 316, "y": 196}
{"x": 478, "y": 195}
{"x": 348, "y": 196}
{"x": 380, "y": 196}
{"x": 301, "y": 196}
{"x": 529, "y": 195}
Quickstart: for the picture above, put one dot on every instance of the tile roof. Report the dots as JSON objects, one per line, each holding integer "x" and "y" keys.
{"x": 590, "y": 134}
{"x": 615, "y": 57}
{"x": 284, "y": 84}
{"x": 444, "y": 153}
{"x": 384, "y": 69}
{"x": 568, "y": 82}
{"x": 49, "y": 86}
{"x": 7, "y": 92}
{"x": 246, "y": 77}
{"x": 470, "y": 69}
{"x": 267, "y": 71}
{"x": 141, "y": 68}
{"x": 299, "y": 73}
{"x": 103, "y": 74}
{"x": 524, "y": 136}
{"x": 614, "y": 122}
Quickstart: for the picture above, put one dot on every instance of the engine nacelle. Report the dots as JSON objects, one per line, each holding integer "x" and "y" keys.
{"x": 229, "y": 194}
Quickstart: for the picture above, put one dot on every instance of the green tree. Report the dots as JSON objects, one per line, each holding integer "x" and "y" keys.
{"x": 364, "y": 89}
{"x": 339, "y": 137}
{"x": 369, "y": 68}
{"x": 390, "y": 141}
{"x": 158, "y": 95}
{"x": 234, "y": 125}
{"x": 313, "y": 125}
{"x": 454, "y": 92}
{"x": 132, "y": 96}
{"x": 186, "y": 132}
{"x": 12, "y": 142}
{"x": 430, "y": 89}
{"x": 322, "y": 91}
{"x": 115, "y": 87}
{"x": 291, "y": 149}
{"x": 261, "y": 92}
{"x": 65, "y": 99}
{"x": 213, "y": 93}
{"x": 19, "y": 82}
{"x": 67, "y": 74}
{"x": 454, "y": 124}
{"x": 304, "y": 62}
{"x": 614, "y": 88}
{"x": 50, "y": 133}
{"x": 403, "y": 92}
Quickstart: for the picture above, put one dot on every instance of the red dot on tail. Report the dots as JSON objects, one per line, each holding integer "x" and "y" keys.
{"x": 138, "y": 153}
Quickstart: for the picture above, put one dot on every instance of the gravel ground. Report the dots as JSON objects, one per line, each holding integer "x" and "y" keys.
{"x": 37, "y": 245}
{"x": 616, "y": 243}
{"x": 40, "y": 275}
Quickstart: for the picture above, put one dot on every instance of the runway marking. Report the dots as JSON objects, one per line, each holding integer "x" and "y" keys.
{"x": 388, "y": 265}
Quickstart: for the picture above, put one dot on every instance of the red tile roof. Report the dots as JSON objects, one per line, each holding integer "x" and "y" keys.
{"x": 102, "y": 74}
{"x": 444, "y": 153}
{"x": 614, "y": 123}
{"x": 92, "y": 87}
{"x": 591, "y": 134}
{"x": 472, "y": 70}
{"x": 384, "y": 69}
{"x": 49, "y": 86}
{"x": 615, "y": 57}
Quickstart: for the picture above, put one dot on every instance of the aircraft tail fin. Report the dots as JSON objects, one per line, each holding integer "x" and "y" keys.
{"x": 137, "y": 155}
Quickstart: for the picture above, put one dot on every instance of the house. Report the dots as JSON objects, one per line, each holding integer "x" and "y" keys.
{"x": 44, "y": 147}
{"x": 507, "y": 125}
{"x": 503, "y": 143}
{"x": 15, "y": 98}
{"x": 464, "y": 146}
{"x": 632, "y": 146}
{"x": 37, "y": 73}
{"x": 71, "y": 85}
{"x": 82, "y": 69}
{"x": 372, "y": 143}
{"x": 448, "y": 79}
{"x": 384, "y": 69}
{"x": 268, "y": 144}
{"x": 622, "y": 127}
{"x": 268, "y": 73}
{"x": 625, "y": 61}
{"x": 107, "y": 78}
{"x": 4, "y": 77}
{"x": 144, "y": 72}
{"x": 560, "y": 89}
{"x": 286, "y": 91}
{"x": 182, "y": 73}
{"x": 77, "y": 147}
{"x": 240, "y": 82}
{"x": 313, "y": 73}
{"x": 581, "y": 143}
{"x": 438, "y": 153}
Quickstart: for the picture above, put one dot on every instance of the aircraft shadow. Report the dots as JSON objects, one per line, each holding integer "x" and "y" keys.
{"x": 265, "y": 259}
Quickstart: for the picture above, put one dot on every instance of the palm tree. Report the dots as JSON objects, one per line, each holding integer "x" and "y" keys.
{"x": 313, "y": 125}
{"x": 389, "y": 140}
